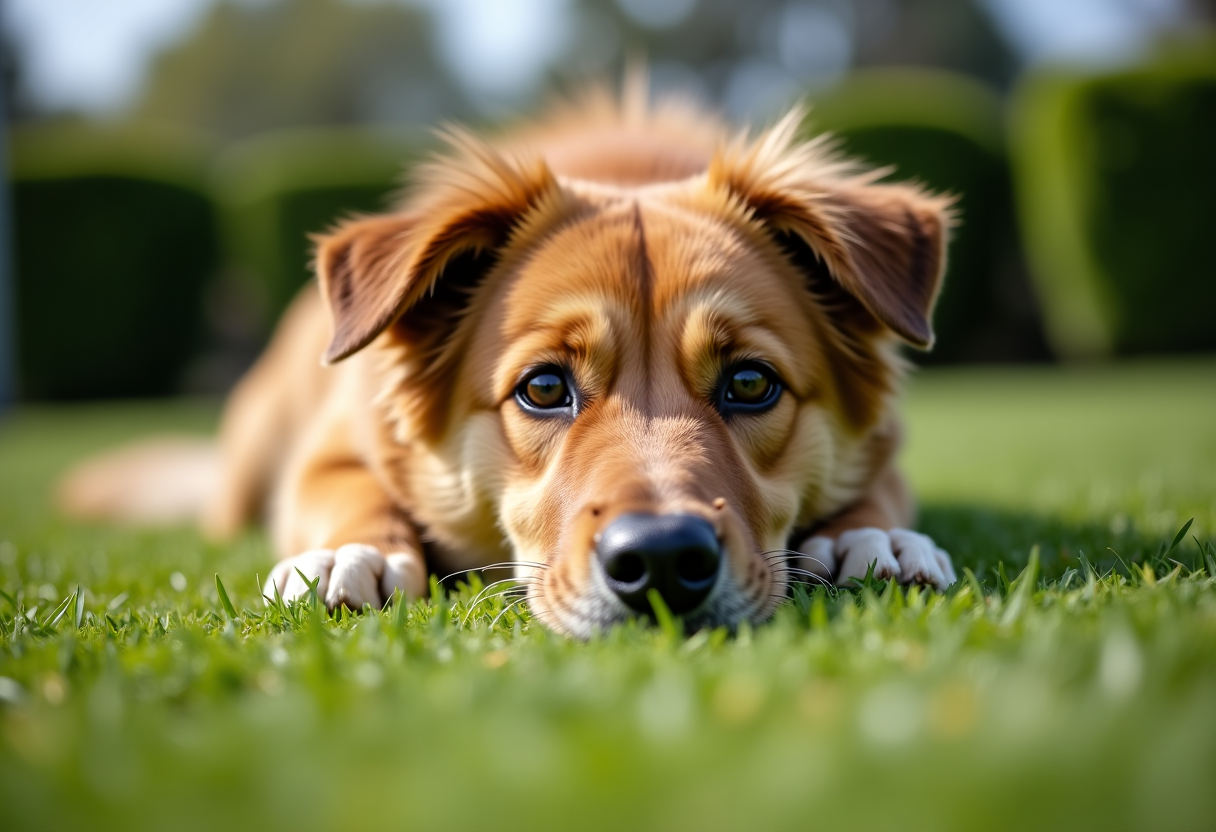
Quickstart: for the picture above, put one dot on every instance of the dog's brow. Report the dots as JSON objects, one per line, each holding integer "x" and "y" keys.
{"x": 714, "y": 330}
{"x": 580, "y": 334}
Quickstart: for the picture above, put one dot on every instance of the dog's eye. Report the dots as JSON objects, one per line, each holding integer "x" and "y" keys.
{"x": 546, "y": 389}
{"x": 749, "y": 388}
{"x": 749, "y": 385}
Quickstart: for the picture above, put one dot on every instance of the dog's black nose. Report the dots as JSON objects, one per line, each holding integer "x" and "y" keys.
{"x": 676, "y": 554}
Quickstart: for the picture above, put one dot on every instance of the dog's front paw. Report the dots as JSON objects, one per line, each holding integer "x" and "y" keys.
{"x": 909, "y": 557}
{"x": 352, "y": 575}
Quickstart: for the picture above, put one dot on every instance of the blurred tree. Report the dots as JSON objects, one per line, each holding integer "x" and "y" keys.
{"x": 15, "y": 104}
{"x": 946, "y": 34}
{"x": 251, "y": 67}
{"x": 753, "y": 58}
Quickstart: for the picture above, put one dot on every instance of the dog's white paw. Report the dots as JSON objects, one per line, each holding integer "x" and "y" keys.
{"x": 818, "y": 557}
{"x": 352, "y": 575}
{"x": 909, "y": 557}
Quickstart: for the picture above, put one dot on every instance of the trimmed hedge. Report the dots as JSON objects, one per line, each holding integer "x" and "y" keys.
{"x": 276, "y": 190}
{"x": 114, "y": 240}
{"x": 1115, "y": 175}
{"x": 946, "y": 132}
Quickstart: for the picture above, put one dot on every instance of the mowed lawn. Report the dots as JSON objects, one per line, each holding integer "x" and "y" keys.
{"x": 1068, "y": 683}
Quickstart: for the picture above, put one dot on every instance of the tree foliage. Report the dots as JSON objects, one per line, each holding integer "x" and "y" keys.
{"x": 254, "y": 67}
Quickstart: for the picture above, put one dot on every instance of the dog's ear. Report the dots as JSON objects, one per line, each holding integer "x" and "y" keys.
{"x": 372, "y": 270}
{"x": 360, "y": 266}
{"x": 884, "y": 245}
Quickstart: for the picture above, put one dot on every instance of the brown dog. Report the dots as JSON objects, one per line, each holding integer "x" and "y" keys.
{"x": 624, "y": 351}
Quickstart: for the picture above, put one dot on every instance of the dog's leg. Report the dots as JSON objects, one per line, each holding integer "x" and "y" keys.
{"x": 347, "y": 530}
{"x": 873, "y": 532}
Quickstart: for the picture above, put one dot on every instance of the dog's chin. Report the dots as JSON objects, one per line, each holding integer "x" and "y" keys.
{"x": 596, "y": 610}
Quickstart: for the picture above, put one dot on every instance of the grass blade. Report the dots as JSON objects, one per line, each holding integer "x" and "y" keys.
{"x": 79, "y": 607}
{"x": 977, "y": 589}
{"x": 313, "y": 595}
{"x": 1022, "y": 590}
{"x": 1181, "y": 534}
{"x": 662, "y": 615}
{"x": 60, "y": 611}
{"x": 1003, "y": 580}
{"x": 225, "y": 602}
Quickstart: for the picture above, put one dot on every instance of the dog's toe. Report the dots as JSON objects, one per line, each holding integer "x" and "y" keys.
{"x": 909, "y": 557}
{"x": 285, "y": 576}
{"x": 404, "y": 571}
{"x": 918, "y": 559}
{"x": 355, "y": 579}
{"x": 946, "y": 565}
{"x": 859, "y": 548}
{"x": 352, "y": 575}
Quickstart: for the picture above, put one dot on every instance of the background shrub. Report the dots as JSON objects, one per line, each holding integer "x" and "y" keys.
{"x": 946, "y": 131}
{"x": 114, "y": 241}
{"x": 1115, "y": 174}
{"x": 276, "y": 190}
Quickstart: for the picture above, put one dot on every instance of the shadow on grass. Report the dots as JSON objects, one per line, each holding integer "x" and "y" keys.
{"x": 981, "y": 538}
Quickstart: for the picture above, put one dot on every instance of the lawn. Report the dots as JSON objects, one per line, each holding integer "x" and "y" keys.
{"x": 1068, "y": 683}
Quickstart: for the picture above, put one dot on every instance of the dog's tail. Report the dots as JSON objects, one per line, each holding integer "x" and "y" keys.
{"x": 156, "y": 481}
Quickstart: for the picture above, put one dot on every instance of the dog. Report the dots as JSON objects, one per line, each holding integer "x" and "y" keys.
{"x": 626, "y": 352}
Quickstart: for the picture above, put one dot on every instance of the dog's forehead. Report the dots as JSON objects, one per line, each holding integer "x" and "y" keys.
{"x": 644, "y": 254}
{"x": 644, "y": 281}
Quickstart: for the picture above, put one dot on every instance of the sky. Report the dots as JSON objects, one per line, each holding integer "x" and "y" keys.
{"x": 91, "y": 55}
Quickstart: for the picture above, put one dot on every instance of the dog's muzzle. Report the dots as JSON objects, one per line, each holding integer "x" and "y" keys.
{"x": 678, "y": 555}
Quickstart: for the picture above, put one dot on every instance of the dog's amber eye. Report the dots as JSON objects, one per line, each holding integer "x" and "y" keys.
{"x": 748, "y": 385}
{"x": 545, "y": 389}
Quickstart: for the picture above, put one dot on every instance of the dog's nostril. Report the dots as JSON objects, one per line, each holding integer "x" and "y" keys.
{"x": 678, "y": 555}
{"x": 628, "y": 568}
{"x": 696, "y": 565}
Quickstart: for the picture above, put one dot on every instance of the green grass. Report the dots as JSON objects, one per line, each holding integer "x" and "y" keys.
{"x": 1081, "y": 694}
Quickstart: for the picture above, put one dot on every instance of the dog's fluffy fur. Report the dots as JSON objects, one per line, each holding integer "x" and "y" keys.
{"x": 647, "y": 251}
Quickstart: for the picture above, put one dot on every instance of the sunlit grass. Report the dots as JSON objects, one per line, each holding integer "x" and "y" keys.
{"x": 1071, "y": 688}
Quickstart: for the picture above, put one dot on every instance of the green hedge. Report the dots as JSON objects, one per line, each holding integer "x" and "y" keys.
{"x": 114, "y": 240}
{"x": 276, "y": 190}
{"x": 946, "y": 132}
{"x": 1115, "y": 179}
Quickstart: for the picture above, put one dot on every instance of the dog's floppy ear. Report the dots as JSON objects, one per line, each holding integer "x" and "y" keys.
{"x": 361, "y": 269}
{"x": 374, "y": 269}
{"x": 883, "y": 244}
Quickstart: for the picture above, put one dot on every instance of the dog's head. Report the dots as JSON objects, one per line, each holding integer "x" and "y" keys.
{"x": 643, "y": 388}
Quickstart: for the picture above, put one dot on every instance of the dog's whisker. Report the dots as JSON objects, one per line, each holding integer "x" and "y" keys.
{"x": 502, "y": 593}
{"x": 538, "y": 604}
{"x": 490, "y": 586}
{"x": 791, "y": 584}
{"x": 482, "y": 596}
{"x": 789, "y": 570}
{"x": 788, "y": 554}
{"x": 544, "y": 616}
{"x": 505, "y": 610}
{"x": 808, "y": 579}
{"x": 505, "y": 564}
{"x": 552, "y": 611}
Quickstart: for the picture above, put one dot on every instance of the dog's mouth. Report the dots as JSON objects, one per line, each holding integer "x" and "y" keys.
{"x": 654, "y": 566}
{"x": 597, "y": 612}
